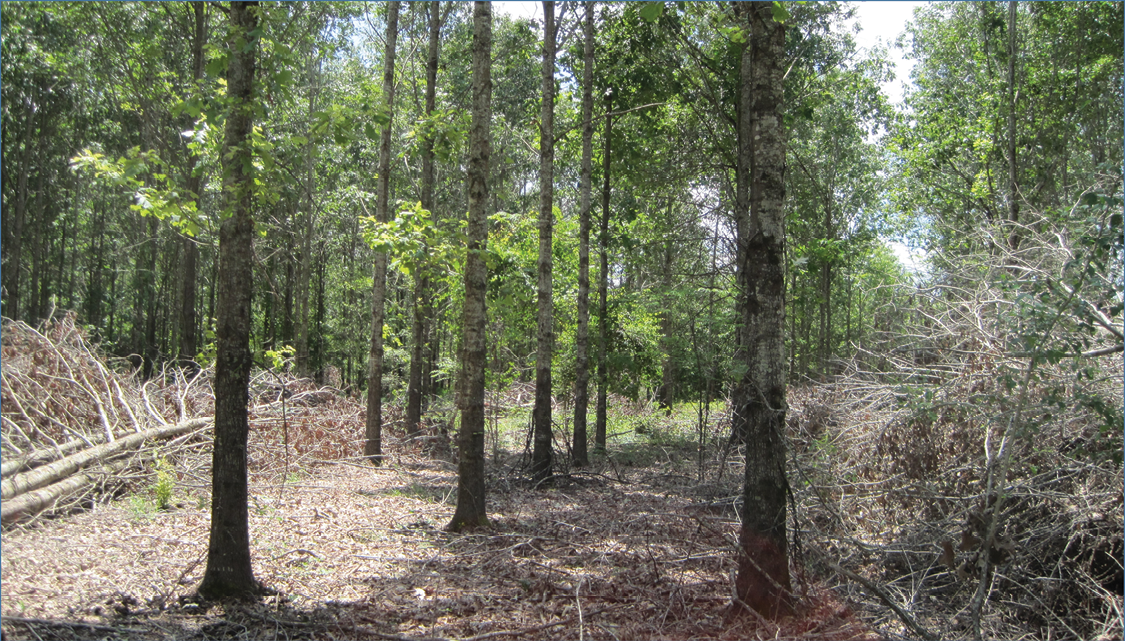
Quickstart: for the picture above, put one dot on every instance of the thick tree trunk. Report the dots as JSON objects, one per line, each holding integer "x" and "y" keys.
{"x": 603, "y": 283}
{"x": 582, "y": 358}
{"x": 759, "y": 404}
{"x": 229, "y": 572}
{"x": 545, "y": 334}
{"x": 422, "y": 311}
{"x": 471, "y": 510}
{"x": 374, "y": 445}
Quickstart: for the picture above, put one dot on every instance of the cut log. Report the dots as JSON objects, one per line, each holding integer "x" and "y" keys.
{"x": 64, "y": 467}
{"x": 39, "y": 457}
{"x": 32, "y": 503}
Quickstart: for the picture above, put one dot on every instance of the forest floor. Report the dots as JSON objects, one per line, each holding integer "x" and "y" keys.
{"x": 641, "y": 545}
{"x": 354, "y": 551}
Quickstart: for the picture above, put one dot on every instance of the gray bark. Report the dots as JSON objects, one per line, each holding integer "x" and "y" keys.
{"x": 373, "y": 448}
{"x": 758, "y": 400}
{"x": 582, "y": 359}
{"x": 422, "y": 312}
{"x": 603, "y": 283}
{"x": 545, "y": 335}
{"x": 229, "y": 572}
{"x": 471, "y": 510}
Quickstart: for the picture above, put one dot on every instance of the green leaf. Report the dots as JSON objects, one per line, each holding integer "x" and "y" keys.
{"x": 651, "y": 11}
{"x": 780, "y": 13}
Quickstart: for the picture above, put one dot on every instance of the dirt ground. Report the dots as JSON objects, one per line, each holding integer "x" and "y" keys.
{"x": 357, "y": 552}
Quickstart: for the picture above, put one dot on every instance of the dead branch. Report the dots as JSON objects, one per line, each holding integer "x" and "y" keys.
{"x": 68, "y": 465}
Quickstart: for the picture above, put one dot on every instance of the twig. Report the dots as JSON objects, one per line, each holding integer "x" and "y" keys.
{"x": 879, "y": 592}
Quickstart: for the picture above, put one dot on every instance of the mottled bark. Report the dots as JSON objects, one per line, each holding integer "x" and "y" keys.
{"x": 758, "y": 400}
{"x": 373, "y": 447}
{"x": 603, "y": 282}
{"x": 582, "y": 358}
{"x": 471, "y": 510}
{"x": 422, "y": 311}
{"x": 545, "y": 334}
{"x": 229, "y": 572}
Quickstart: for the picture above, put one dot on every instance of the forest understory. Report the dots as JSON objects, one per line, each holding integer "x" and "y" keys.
{"x": 639, "y": 545}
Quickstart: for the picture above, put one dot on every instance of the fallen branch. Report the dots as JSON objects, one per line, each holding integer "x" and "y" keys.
{"x": 39, "y": 457}
{"x": 36, "y": 501}
{"x": 64, "y": 467}
{"x": 879, "y": 592}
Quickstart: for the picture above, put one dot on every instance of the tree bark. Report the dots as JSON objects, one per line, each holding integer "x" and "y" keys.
{"x": 373, "y": 448}
{"x": 229, "y": 572}
{"x": 21, "y": 483}
{"x": 471, "y": 510}
{"x": 306, "y": 265}
{"x": 14, "y": 248}
{"x": 759, "y": 404}
{"x": 603, "y": 283}
{"x": 422, "y": 310}
{"x": 188, "y": 321}
{"x": 545, "y": 334}
{"x": 1013, "y": 185}
{"x": 582, "y": 358}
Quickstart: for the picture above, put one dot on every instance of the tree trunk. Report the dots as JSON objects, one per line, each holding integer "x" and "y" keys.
{"x": 582, "y": 358}
{"x": 759, "y": 396}
{"x": 306, "y": 265}
{"x": 545, "y": 334}
{"x": 374, "y": 445}
{"x": 422, "y": 310}
{"x": 470, "y": 510}
{"x": 13, "y": 249}
{"x": 189, "y": 323}
{"x": 603, "y": 283}
{"x": 229, "y": 572}
{"x": 1013, "y": 186}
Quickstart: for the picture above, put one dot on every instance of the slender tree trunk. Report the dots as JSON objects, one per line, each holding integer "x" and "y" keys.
{"x": 14, "y": 248}
{"x": 374, "y": 445}
{"x": 582, "y": 359}
{"x": 306, "y": 266}
{"x": 422, "y": 311}
{"x": 471, "y": 511}
{"x": 545, "y": 335}
{"x": 759, "y": 398}
{"x": 603, "y": 283}
{"x": 229, "y": 572}
{"x": 668, "y": 369}
{"x": 1013, "y": 186}
{"x": 189, "y": 323}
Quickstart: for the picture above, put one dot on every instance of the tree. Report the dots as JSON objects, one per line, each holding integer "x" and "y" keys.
{"x": 758, "y": 399}
{"x": 581, "y": 340}
{"x": 194, "y": 182}
{"x": 422, "y": 310}
{"x": 470, "y": 510}
{"x": 603, "y": 281}
{"x": 545, "y": 336}
{"x": 374, "y": 445}
{"x": 228, "y": 554}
